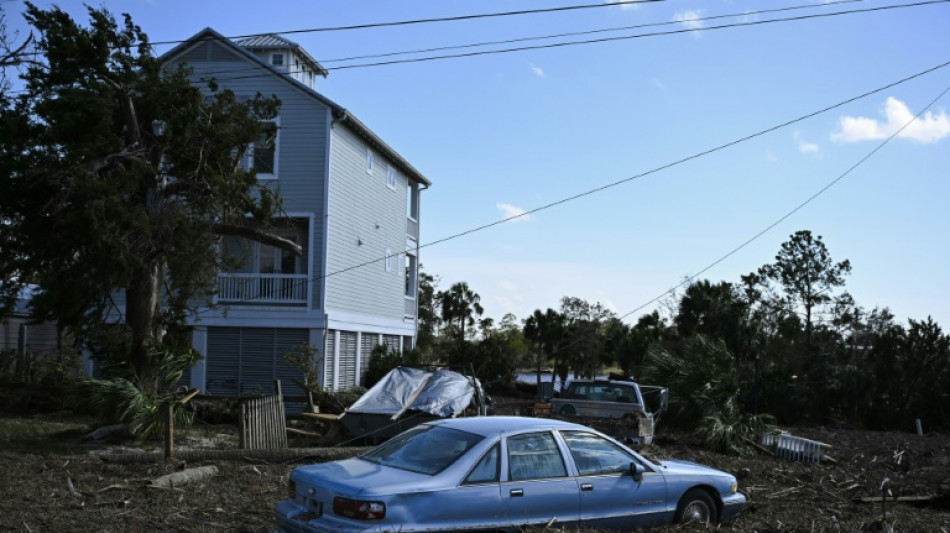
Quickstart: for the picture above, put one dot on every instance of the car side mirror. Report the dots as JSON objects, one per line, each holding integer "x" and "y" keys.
{"x": 637, "y": 470}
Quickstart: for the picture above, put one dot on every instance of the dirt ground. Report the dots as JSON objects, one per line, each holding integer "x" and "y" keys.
{"x": 60, "y": 482}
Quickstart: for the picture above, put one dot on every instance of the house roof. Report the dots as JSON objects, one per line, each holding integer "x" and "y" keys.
{"x": 340, "y": 113}
{"x": 274, "y": 41}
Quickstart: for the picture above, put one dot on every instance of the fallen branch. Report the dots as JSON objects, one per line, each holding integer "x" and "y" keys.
{"x": 185, "y": 476}
{"x": 875, "y": 499}
{"x": 783, "y": 492}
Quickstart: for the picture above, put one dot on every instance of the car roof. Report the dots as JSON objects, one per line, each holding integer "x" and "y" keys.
{"x": 493, "y": 425}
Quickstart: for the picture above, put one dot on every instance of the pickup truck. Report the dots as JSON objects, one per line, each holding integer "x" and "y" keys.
{"x": 613, "y": 399}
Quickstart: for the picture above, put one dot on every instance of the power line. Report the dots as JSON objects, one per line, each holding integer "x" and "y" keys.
{"x": 781, "y": 219}
{"x": 569, "y": 43}
{"x": 626, "y": 37}
{"x": 587, "y": 32}
{"x": 438, "y": 19}
{"x": 654, "y": 170}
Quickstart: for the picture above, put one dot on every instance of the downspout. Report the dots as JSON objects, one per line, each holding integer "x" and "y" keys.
{"x": 415, "y": 329}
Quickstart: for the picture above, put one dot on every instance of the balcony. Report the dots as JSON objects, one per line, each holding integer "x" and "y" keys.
{"x": 410, "y": 309}
{"x": 412, "y": 228}
{"x": 263, "y": 289}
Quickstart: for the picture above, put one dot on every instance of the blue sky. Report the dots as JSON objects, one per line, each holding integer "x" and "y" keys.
{"x": 504, "y": 133}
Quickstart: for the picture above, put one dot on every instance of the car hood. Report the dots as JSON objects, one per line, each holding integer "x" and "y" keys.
{"x": 680, "y": 467}
{"x": 355, "y": 476}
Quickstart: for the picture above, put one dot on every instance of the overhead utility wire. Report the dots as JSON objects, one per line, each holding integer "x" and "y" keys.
{"x": 768, "y": 228}
{"x": 625, "y": 37}
{"x": 544, "y": 37}
{"x": 568, "y": 43}
{"x": 437, "y": 19}
{"x": 635, "y": 177}
{"x": 586, "y": 32}
{"x": 799, "y": 206}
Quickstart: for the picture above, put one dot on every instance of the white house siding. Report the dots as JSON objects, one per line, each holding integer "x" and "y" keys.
{"x": 366, "y": 218}
{"x": 304, "y": 123}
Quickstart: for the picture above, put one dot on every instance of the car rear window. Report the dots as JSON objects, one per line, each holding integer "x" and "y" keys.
{"x": 423, "y": 449}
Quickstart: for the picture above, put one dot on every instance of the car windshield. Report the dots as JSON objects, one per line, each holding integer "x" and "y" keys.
{"x": 423, "y": 449}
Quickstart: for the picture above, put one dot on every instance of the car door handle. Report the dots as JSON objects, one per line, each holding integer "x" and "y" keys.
{"x": 517, "y": 493}
{"x": 586, "y": 487}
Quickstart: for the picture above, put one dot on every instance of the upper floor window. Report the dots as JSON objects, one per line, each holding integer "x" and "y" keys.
{"x": 264, "y": 154}
{"x": 391, "y": 178}
{"x": 412, "y": 201}
{"x": 277, "y": 60}
{"x": 369, "y": 161}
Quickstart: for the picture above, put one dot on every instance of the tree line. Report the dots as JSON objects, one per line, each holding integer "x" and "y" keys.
{"x": 786, "y": 339}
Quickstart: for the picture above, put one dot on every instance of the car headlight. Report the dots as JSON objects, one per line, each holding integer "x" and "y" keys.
{"x": 734, "y": 487}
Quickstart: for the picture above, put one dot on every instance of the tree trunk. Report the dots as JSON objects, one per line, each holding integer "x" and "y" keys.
{"x": 143, "y": 318}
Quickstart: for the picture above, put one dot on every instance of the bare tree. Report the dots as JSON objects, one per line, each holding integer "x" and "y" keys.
{"x": 12, "y": 54}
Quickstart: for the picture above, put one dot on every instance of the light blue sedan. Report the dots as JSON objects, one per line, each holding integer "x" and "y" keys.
{"x": 502, "y": 473}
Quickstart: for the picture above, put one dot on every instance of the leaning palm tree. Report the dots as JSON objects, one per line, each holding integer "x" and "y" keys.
{"x": 460, "y": 307}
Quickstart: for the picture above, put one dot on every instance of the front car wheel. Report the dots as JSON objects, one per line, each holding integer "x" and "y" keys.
{"x": 696, "y": 506}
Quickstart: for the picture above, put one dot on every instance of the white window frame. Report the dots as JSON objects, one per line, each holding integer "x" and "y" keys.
{"x": 276, "y": 55}
{"x": 250, "y": 152}
{"x": 369, "y": 161}
{"x": 390, "y": 177}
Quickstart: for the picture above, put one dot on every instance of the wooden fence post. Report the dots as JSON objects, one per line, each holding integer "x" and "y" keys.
{"x": 169, "y": 431}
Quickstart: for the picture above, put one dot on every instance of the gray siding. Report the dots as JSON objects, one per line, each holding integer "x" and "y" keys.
{"x": 246, "y": 361}
{"x": 363, "y": 209}
{"x": 304, "y": 124}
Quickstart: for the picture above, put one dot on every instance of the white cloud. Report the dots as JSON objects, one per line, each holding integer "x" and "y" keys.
{"x": 628, "y": 5}
{"x": 516, "y": 214}
{"x": 804, "y": 146}
{"x": 538, "y": 71}
{"x": 690, "y": 19}
{"x": 808, "y": 148}
{"x": 928, "y": 128}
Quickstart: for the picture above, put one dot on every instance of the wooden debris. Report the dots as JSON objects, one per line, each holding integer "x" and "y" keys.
{"x": 185, "y": 476}
{"x": 876, "y": 499}
{"x": 72, "y": 490}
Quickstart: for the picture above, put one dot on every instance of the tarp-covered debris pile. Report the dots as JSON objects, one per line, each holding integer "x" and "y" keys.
{"x": 406, "y": 397}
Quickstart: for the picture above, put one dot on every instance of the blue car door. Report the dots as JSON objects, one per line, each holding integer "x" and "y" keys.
{"x": 610, "y": 495}
{"x": 538, "y": 489}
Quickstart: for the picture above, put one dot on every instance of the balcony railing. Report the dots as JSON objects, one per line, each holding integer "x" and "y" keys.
{"x": 258, "y": 289}
{"x": 412, "y": 228}
{"x": 410, "y": 307}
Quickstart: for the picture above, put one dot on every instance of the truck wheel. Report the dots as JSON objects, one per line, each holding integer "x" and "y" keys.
{"x": 567, "y": 410}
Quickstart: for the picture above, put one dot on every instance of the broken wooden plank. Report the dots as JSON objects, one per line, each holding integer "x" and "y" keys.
{"x": 875, "y": 499}
{"x": 323, "y": 417}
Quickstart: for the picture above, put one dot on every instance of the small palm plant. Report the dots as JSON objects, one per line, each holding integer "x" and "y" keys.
{"x": 119, "y": 399}
{"x": 700, "y": 380}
